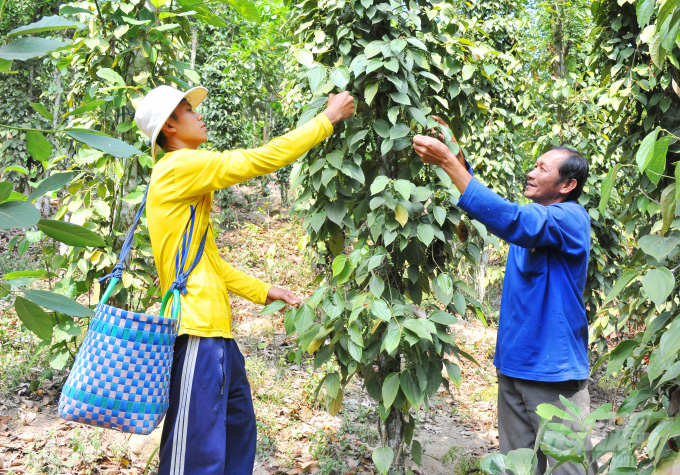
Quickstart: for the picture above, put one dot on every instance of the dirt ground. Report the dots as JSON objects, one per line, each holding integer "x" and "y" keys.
{"x": 295, "y": 433}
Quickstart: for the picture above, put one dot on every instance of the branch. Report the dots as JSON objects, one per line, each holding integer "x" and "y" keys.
{"x": 101, "y": 18}
{"x": 647, "y": 196}
{"x": 27, "y": 129}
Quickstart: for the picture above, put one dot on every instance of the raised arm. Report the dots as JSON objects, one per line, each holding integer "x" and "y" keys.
{"x": 200, "y": 172}
{"x": 565, "y": 226}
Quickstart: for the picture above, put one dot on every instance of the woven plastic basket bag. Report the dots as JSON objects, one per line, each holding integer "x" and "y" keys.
{"x": 121, "y": 375}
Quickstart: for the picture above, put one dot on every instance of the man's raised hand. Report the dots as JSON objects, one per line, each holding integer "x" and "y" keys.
{"x": 431, "y": 150}
{"x": 340, "y": 107}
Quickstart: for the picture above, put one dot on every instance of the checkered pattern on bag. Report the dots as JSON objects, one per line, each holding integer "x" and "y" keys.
{"x": 121, "y": 376}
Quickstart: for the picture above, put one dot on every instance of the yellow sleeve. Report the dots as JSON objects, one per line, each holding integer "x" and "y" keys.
{"x": 198, "y": 172}
{"x": 244, "y": 285}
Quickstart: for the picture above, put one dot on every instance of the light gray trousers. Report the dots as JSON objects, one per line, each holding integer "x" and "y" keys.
{"x": 518, "y": 422}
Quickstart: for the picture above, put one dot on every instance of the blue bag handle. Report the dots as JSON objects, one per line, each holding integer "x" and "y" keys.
{"x": 181, "y": 277}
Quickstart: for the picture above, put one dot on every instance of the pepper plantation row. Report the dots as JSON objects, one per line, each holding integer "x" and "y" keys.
{"x": 400, "y": 261}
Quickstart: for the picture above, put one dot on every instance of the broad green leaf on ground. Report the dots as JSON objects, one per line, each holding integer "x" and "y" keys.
{"x": 52, "y": 183}
{"x": 58, "y": 303}
{"x": 31, "y": 47}
{"x": 106, "y": 144}
{"x": 658, "y": 284}
{"x": 34, "y": 317}
{"x": 48, "y": 23}
{"x": 71, "y": 234}
{"x": 18, "y": 214}
{"x": 383, "y": 457}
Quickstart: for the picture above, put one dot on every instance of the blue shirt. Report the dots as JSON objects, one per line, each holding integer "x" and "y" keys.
{"x": 543, "y": 329}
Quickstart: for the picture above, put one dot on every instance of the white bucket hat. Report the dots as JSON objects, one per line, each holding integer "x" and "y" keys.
{"x": 157, "y": 105}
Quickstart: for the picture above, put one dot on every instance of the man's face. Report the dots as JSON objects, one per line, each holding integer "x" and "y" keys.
{"x": 543, "y": 182}
{"x": 190, "y": 129}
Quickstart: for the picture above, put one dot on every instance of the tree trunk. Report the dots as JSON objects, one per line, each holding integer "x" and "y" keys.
{"x": 480, "y": 276}
{"x": 392, "y": 430}
{"x": 393, "y": 436}
{"x": 31, "y": 75}
{"x": 560, "y": 48}
{"x": 57, "y": 99}
{"x": 194, "y": 45}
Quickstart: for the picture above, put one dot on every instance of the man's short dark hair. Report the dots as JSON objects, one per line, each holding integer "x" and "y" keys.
{"x": 573, "y": 167}
{"x": 162, "y": 140}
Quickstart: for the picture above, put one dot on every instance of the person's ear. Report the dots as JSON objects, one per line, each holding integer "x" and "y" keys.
{"x": 568, "y": 186}
{"x": 168, "y": 128}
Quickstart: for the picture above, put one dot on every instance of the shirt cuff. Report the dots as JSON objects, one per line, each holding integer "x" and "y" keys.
{"x": 325, "y": 124}
{"x": 265, "y": 292}
{"x": 467, "y": 194}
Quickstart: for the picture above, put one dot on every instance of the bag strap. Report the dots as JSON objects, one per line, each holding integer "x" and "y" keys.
{"x": 117, "y": 271}
{"x": 179, "y": 285}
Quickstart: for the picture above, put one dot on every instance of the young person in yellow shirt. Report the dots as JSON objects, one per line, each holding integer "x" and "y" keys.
{"x": 210, "y": 425}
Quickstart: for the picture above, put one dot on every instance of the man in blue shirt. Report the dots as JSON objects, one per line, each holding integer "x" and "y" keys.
{"x": 541, "y": 351}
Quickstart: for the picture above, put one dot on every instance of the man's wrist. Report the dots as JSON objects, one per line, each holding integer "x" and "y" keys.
{"x": 332, "y": 118}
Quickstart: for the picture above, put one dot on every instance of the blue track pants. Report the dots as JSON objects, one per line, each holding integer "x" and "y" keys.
{"x": 210, "y": 425}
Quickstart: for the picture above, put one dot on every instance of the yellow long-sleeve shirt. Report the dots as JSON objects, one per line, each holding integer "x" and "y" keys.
{"x": 188, "y": 178}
